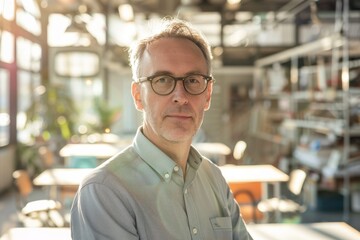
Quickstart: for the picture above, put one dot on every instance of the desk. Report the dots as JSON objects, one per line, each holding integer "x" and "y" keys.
{"x": 37, "y": 234}
{"x": 316, "y": 231}
{"x": 98, "y": 150}
{"x": 263, "y": 174}
{"x": 214, "y": 151}
{"x": 253, "y": 173}
{"x": 61, "y": 177}
{"x": 93, "y": 151}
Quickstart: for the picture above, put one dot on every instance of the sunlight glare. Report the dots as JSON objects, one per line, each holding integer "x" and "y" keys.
{"x": 7, "y": 8}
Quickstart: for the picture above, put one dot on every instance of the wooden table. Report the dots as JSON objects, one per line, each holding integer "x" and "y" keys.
{"x": 37, "y": 234}
{"x": 100, "y": 151}
{"x": 311, "y": 231}
{"x": 56, "y": 178}
{"x": 263, "y": 174}
{"x": 215, "y": 151}
{"x": 61, "y": 176}
{"x": 253, "y": 173}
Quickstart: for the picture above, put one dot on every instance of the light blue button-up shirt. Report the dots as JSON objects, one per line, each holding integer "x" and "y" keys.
{"x": 142, "y": 194}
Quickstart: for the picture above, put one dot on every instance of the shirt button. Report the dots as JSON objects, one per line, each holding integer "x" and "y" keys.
{"x": 176, "y": 168}
{"x": 185, "y": 191}
{"x": 167, "y": 175}
{"x": 194, "y": 230}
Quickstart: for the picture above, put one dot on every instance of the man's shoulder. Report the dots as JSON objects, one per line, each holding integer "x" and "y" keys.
{"x": 121, "y": 160}
{"x": 208, "y": 165}
{"x": 115, "y": 166}
{"x": 212, "y": 172}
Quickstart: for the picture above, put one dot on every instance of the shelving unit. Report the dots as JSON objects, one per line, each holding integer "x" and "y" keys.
{"x": 313, "y": 95}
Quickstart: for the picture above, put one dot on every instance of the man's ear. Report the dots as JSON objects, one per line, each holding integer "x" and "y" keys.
{"x": 136, "y": 94}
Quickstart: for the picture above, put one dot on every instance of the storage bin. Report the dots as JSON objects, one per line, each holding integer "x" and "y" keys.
{"x": 329, "y": 201}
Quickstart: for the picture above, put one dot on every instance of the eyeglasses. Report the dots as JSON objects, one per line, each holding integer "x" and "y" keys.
{"x": 194, "y": 84}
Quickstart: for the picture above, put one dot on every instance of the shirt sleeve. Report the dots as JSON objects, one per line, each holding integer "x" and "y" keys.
{"x": 100, "y": 213}
{"x": 240, "y": 231}
{"x": 239, "y": 228}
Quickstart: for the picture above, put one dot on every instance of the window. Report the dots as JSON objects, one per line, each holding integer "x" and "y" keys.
{"x": 78, "y": 30}
{"x": 28, "y": 54}
{"x": 29, "y": 89}
{"x": 77, "y": 64}
{"x": 28, "y": 60}
{"x": 7, "y": 9}
{"x": 4, "y": 107}
{"x": 29, "y": 85}
{"x": 6, "y": 47}
{"x": 28, "y": 16}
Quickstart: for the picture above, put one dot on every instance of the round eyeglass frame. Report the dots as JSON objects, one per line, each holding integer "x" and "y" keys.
{"x": 206, "y": 78}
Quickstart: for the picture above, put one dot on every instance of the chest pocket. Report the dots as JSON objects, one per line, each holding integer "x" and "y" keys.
{"x": 222, "y": 227}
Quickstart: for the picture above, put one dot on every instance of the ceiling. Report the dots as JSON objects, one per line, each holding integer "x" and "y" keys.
{"x": 297, "y": 11}
{"x": 170, "y": 7}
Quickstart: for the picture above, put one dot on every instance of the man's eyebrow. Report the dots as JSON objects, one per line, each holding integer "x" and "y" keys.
{"x": 157, "y": 73}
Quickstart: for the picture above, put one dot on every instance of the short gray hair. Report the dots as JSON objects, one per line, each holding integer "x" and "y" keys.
{"x": 169, "y": 28}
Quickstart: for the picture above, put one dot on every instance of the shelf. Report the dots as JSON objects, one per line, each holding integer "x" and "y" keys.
{"x": 321, "y": 45}
{"x": 316, "y": 125}
{"x": 277, "y": 139}
{"x": 316, "y": 102}
{"x": 313, "y": 159}
{"x": 352, "y": 171}
{"x": 328, "y": 95}
{"x": 330, "y": 125}
{"x": 353, "y": 131}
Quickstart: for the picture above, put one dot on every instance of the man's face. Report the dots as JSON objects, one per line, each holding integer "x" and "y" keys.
{"x": 175, "y": 117}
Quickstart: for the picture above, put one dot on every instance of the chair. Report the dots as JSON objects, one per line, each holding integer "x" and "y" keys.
{"x": 47, "y": 157}
{"x": 290, "y": 204}
{"x": 247, "y": 205}
{"x": 247, "y": 196}
{"x": 40, "y": 213}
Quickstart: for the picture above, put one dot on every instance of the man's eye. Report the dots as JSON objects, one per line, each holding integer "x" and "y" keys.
{"x": 192, "y": 80}
{"x": 162, "y": 80}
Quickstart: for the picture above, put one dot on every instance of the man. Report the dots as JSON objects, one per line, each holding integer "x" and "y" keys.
{"x": 160, "y": 187}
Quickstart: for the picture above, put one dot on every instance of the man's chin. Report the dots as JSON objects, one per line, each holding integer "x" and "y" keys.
{"x": 178, "y": 136}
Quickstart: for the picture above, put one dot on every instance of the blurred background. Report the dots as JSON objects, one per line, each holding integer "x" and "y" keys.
{"x": 287, "y": 90}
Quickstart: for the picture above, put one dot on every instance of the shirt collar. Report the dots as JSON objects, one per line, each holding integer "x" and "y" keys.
{"x": 195, "y": 158}
{"x": 158, "y": 160}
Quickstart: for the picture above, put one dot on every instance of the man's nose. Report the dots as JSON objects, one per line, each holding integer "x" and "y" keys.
{"x": 180, "y": 95}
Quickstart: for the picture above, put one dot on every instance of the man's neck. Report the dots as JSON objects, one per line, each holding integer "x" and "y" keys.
{"x": 177, "y": 151}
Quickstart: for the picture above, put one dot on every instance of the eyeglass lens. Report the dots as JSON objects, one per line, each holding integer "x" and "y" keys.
{"x": 193, "y": 84}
